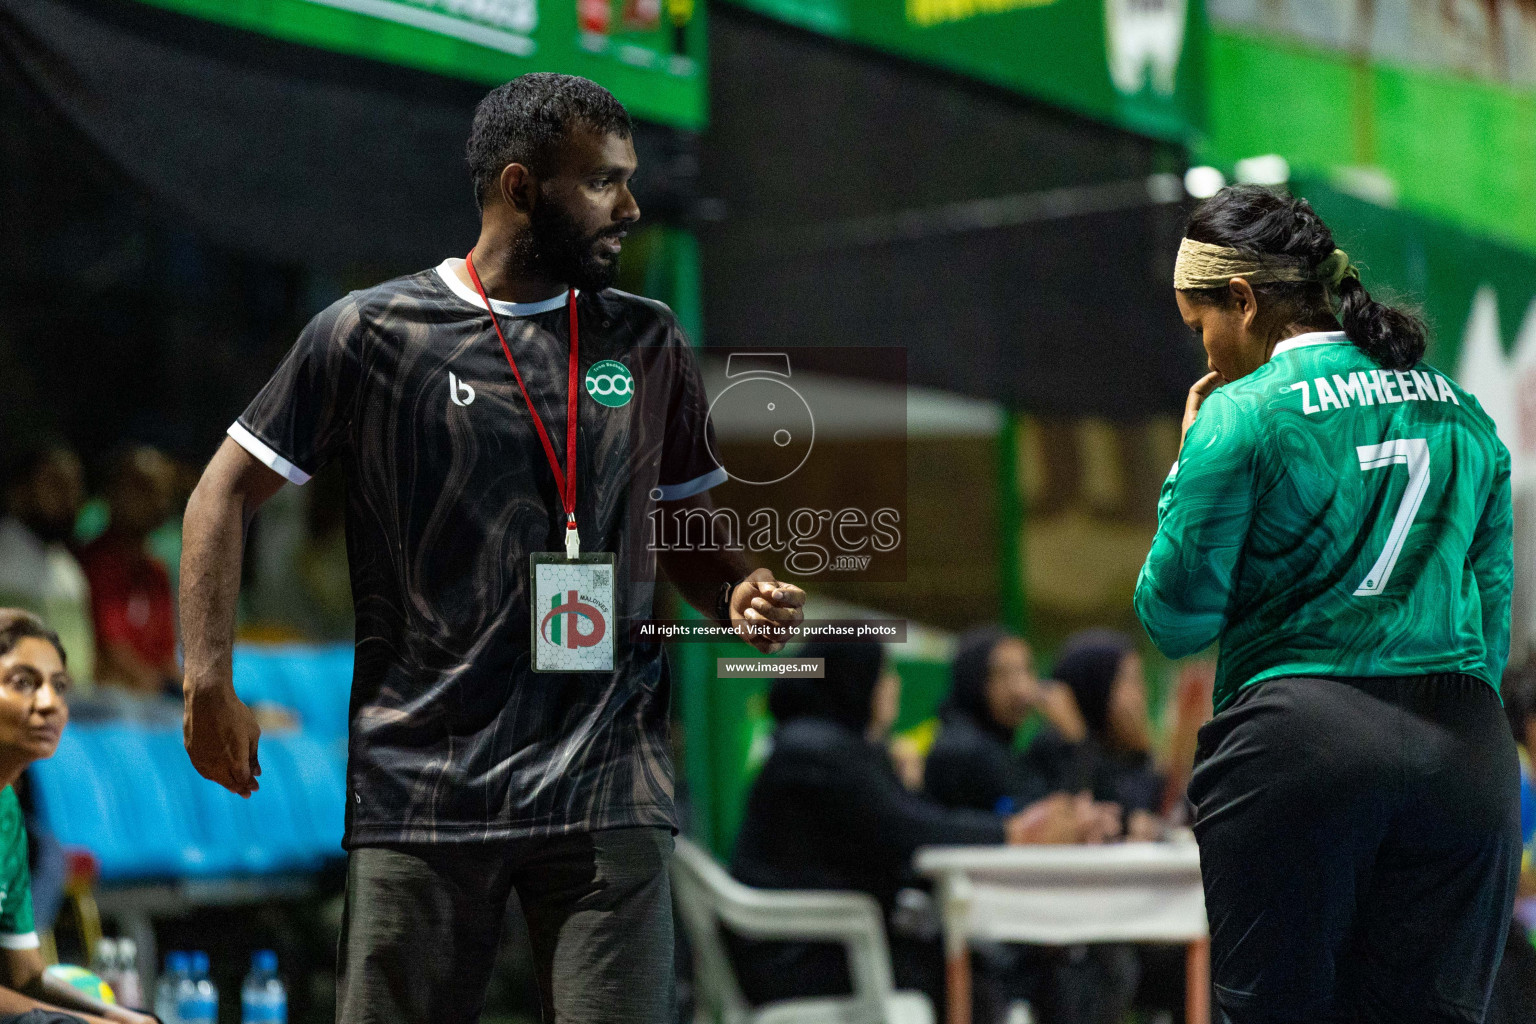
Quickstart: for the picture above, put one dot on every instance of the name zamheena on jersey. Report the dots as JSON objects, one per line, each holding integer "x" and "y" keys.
{"x": 1373, "y": 388}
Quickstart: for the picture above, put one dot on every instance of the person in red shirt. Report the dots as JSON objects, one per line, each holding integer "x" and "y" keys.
{"x": 131, "y": 604}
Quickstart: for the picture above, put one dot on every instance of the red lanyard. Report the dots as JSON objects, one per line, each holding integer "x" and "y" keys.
{"x": 564, "y": 482}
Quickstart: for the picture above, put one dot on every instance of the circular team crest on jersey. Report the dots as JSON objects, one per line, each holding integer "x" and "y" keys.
{"x": 609, "y": 383}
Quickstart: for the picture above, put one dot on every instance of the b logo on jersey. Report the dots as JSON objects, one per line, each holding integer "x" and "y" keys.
{"x": 609, "y": 383}
{"x": 459, "y": 391}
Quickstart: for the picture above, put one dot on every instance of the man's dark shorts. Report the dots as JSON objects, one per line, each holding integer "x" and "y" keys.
{"x": 422, "y": 925}
{"x": 1360, "y": 845}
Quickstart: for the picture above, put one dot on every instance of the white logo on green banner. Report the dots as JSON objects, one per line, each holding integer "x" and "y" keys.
{"x": 609, "y": 383}
{"x": 1146, "y": 39}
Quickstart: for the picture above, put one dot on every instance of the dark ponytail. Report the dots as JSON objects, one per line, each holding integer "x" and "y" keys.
{"x": 1267, "y": 223}
{"x": 1393, "y": 338}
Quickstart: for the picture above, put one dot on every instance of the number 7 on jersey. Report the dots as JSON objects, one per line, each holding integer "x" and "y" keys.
{"x": 1412, "y": 452}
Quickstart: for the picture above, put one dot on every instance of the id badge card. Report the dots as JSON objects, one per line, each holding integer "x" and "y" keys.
{"x": 573, "y": 612}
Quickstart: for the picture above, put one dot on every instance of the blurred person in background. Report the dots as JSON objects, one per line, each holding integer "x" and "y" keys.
{"x": 131, "y": 605}
{"x": 994, "y": 688}
{"x": 1357, "y": 791}
{"x": 1188, "y": 707}
{"x": 34, "y": 686}
{"x": 1104, "y": 672}
{"x": 43, "y": 488}
{"x": 1106, "y": 676}
{"x": 828, "y": 811}
{"x": 1514, "y": 987}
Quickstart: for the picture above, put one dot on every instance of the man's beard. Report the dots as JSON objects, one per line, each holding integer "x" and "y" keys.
{"x": 555, "y": 246}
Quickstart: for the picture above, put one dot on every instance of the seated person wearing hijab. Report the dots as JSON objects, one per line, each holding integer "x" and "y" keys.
{"x": 1104, "y": 672}
{"x": 973, "y": 763}
{"x": 993, "y": 689}
{"x": 828, "y": 811}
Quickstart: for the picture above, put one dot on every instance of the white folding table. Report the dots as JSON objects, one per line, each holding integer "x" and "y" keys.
{"x": 1068, "y": 895}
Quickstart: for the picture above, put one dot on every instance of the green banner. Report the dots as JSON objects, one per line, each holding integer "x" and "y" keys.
{"x": 650, "y": 53}
{"x": 1137, "y": 63}
{"x": 1458, "y": 149}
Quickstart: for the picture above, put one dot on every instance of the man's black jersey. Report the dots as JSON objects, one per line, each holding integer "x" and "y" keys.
{"x": 448, "y": 492}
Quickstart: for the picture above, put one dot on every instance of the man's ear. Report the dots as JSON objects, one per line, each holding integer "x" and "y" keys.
{"x": 1246, "y": 301}
{"x": 518, "y": 187}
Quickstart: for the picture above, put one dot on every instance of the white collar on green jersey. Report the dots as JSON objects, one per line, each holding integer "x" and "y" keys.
{"x": 1311, "y": 338}
{"x": 448, "y": 271}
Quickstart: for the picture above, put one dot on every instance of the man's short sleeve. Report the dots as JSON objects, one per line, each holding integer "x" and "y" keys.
{"x": 17, "y": 930}
{"x": 688, "y": 466}
{"x": 298, "y": 422}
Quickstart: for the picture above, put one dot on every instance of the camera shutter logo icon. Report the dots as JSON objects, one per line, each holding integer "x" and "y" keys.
{"x": 761, "y": 408}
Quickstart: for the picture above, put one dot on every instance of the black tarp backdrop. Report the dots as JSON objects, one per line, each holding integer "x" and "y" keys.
{"x": 179, "y": 197}
{"x": 870, "y": 201}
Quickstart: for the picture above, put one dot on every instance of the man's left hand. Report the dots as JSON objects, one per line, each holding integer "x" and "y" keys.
{"x": 761, "y": 606}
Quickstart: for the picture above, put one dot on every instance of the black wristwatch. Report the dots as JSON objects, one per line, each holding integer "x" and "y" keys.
{"x": 723, "y": 601}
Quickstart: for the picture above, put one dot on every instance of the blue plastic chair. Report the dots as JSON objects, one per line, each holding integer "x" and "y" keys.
{"x": 258, "y": 675}
{"x": 211, "y": 829}
{"x": 103, "y": 791}
{"x": 316, "y": 782}
{"x": 314, "y": 681}
{"x": 318, "y": 684}
{"x": 73, "y": 801}
{"x": 129, "y": 794}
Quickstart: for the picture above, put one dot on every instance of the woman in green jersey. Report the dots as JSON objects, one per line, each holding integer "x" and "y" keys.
{"x": 1339, "y": 520}
{"x": 33, "y": 712}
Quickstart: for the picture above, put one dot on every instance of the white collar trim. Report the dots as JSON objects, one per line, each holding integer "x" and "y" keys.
{"x": 448, "y": 270}
{"x": 1312, "y": 338}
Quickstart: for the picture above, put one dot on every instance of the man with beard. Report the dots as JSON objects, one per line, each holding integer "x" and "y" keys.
{"x": 452, "y": 400}
{"x": 43, "y": 489}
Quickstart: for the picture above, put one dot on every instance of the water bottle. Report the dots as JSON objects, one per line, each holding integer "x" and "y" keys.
{"x": 168, "y": 991}
{"x": 130, "y": 984}
{"x": 197, "y": 998}
{"x": 263, "y": 998}
{"x": 105, "y": 963}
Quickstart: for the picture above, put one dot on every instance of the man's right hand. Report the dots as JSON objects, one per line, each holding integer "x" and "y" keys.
{"x": 221, "y": 734}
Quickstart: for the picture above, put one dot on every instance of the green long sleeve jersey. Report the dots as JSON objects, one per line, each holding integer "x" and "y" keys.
{"x": 1327, "y": 517}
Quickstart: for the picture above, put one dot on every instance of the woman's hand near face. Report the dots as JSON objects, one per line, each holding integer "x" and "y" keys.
{"x": 1060, "y": 709}
{"x": 1197, "y": 395}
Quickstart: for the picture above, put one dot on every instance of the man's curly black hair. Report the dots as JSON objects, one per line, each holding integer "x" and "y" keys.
{"x": 524, "y": 121}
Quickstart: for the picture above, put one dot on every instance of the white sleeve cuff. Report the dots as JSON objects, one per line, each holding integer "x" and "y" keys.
{"x": 263, "y": 451}
{"x": 699, "y": 484}
{"x": 27, "y": 941}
